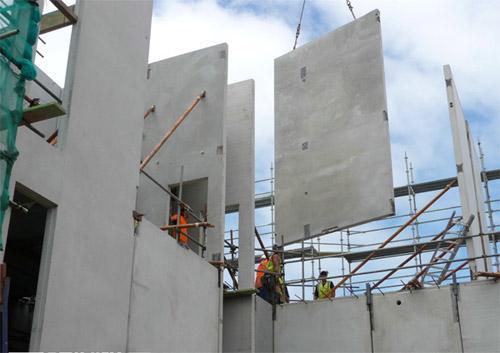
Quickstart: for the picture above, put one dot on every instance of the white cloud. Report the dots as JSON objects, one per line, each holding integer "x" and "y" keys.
{"x": 254, "y": 41}
{"x": 419, "y": 38}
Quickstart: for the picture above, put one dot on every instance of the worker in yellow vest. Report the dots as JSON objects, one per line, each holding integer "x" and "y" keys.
{"x": 325, "y": 288}
{"x": 277, "y": 282}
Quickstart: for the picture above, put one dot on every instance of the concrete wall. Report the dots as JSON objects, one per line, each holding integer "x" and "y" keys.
{"x": 479, "y": 310}
{"x": 469, "y": 177}
{"x": 82, "y": 298}
{"x": 248, "y": 325}
{"x": 199, "y": 144}
{"x": 333, "y": 160}
{"x": 423, "y": 322}
{"x": 338, "y": 326}
{"x": 263, "y": 326}
{"x": 174, "y": 297}
{"x": 240, "y": 172}
{"x": 239, "y": 324}
{"x": 418, "y": 321}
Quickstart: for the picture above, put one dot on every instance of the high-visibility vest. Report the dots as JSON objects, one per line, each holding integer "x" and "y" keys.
{"x": 182, "y": 237}
{"x": 323, "y": 289}
{"x": 259, "y": 275}
{"x": 270, "y": 267}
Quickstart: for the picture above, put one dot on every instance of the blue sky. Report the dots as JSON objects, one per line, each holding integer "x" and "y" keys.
{"x": 419, "y": 37}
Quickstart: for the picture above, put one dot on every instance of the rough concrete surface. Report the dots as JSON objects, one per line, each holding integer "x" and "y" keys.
{"x": 332, "y": 151}
{"x": 323, "y": 326}
{"x": 263, "y": 326}
{"x": 198, "y": 144}
{"x": 240, "y": 172}
{"x": 239, "y": 324}
{"x": 82, "y": 300}
{"x": 423, "y": 322}
{"x": 479, "y": 308}
{"x": 174, "y": 297}
{"x": 248, "y": 324}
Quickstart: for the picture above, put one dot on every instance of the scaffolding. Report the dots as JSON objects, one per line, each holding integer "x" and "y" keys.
{"x": 431, "y": 231}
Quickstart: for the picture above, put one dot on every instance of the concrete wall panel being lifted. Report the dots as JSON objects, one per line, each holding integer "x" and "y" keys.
{"x": 333, "y": 161}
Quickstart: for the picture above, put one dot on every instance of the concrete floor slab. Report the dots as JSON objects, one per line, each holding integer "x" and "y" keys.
{"x": 333, "y": 161}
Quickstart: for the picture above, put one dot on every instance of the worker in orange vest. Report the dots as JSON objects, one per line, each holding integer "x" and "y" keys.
{"x": 183, "y": 239}
{"x": 262, "y": 290}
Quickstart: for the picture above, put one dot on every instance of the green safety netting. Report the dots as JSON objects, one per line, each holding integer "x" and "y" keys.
{"x": 16, "y": 66}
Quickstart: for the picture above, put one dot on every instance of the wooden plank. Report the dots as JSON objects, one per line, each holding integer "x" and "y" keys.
{"x": 42, "y": 112}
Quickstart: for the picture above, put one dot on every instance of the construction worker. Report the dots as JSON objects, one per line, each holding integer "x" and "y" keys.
{"x": 324, "y": 289}
{"x": 182, "y": 232}
{"x": 262, "y": 290}
{"x": 276, "y": 283}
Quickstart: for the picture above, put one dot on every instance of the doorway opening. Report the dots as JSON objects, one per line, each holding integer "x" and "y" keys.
{"x": 23, "y": 254}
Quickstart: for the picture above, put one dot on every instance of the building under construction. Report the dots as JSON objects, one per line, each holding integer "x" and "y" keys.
{"x": 92, "y": 172}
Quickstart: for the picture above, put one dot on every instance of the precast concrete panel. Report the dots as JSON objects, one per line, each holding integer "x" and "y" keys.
{"x": 175, "y": 295}
{"x": 240, "y": 172}
{"x": 479, "y": 308}
{"x": 342, "y": 325}
{"x": 263, "y": 325}
{"x": 418, "y": 321}
{"x": 469, "y": 176}
{"x": 239, "y": 324}
{"x": 87, "y": 300}
{"x": 332, "y": 150}
{"x": 198, "y": 146}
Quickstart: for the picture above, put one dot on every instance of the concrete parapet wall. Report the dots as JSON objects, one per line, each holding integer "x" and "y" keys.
{"x": 248, "y": 325}
{"x": 174, "y": 298}
{"x": 419, "y": 321}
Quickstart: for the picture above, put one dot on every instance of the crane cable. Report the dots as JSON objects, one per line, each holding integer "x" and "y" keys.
{"x": 349, "y": 5}
{"x": 297, "y": 33}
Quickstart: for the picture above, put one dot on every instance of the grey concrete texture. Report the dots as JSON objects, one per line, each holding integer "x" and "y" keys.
{"x": 418, "y": 321}
{"x": 479, "y": 308}
{"x": 174, "y": 298}
{"x": 82, "y": 300}
{"x": 248, "y": 325}
{"x": 263, "y": 326}
{"x": 239, "y": 324}
{"x": 332, "y": 150}
{"x": 323, "y": 326}
{"x": 199, "y": 143}
{"x": 240, "y": 172}
{"x": 422, "y": 322}
{"x": 469, "y": 176}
